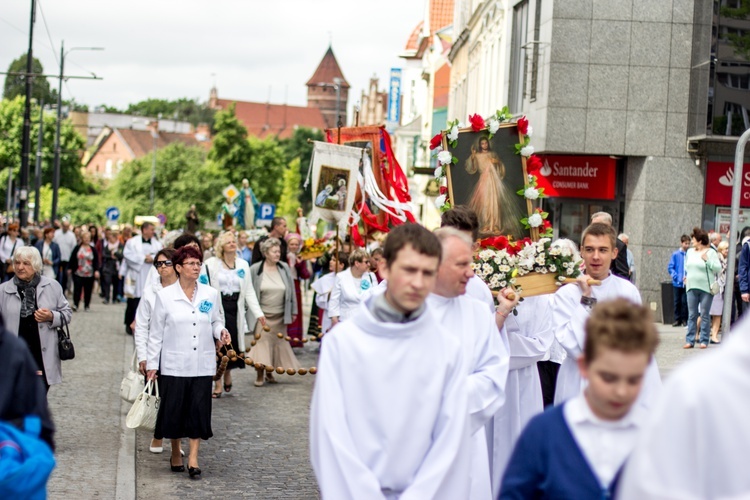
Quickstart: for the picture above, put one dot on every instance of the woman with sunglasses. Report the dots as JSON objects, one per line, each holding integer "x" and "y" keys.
{"x": 167, "y": 276}
{"x": 184, "y": 325}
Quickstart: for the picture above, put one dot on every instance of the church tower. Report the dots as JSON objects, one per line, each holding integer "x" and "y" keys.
{"x": 328, "y": 90}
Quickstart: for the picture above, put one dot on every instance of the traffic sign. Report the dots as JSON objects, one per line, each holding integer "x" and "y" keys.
{"x": 113, "y": 213}
{"x": 230, "y": 192}
{"x": 266, "y": 212}
{"x": 162, "y": 218}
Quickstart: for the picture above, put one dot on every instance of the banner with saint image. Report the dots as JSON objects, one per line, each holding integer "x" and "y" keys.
{"x": 333, "y": 171}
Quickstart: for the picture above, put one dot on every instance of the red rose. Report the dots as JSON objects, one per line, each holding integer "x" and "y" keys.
{"x": 501, "y": 242}
{"x": 546, "y": 224}
{"x": 513, "y": 248}
{"x": 477, "y": 122}
{"x": 436, "y": 141}
{"x": 523, "y": 125}
{"x": 533, "y": 164}
{"x": 443, "y": 189}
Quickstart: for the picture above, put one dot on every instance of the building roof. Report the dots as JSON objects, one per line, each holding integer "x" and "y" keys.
{"x": 441, "y": 17}
{"x": 263, "y": 120}
{"x": 140, "y": 142}
{"x": 327, "y": 70}
{"x": 412, "y": 44}
{"x": 441, "y": 14}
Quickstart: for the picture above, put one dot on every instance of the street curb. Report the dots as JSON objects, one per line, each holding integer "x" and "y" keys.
{"x": 125, "y": 481}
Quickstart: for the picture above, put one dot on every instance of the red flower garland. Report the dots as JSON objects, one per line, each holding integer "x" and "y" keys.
{"x": 523, "y": 125}
{"x": 477, "y": 122}
{"x": 436, "y": 141}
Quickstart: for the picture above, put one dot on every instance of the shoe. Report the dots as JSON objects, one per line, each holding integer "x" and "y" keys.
{"x": 105, "y": 302}
{"x": 195, "y": 472}
{"x": 688, "y": 346}
{"x": 155, "y": 449}
{"x": 271, "y": 380}
{"x": 74, "y": 308}
{"x": 227, "y": 387}
{"x": 703, "y": 346}
{"x": 677, "y": 323}
{"x": 86, "y": 309}
{"x": 128, "y": 330}
{"x": 176, "y": 468}
{"x": 258, "y": 383}
{"x": 215, "y": 395}
{"x": 714, "y": 341}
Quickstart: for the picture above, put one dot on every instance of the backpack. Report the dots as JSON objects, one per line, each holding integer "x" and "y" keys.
{"x": 26, "y": 461}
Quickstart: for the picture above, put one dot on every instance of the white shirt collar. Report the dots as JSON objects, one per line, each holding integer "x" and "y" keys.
{"x": 578, "y": 411}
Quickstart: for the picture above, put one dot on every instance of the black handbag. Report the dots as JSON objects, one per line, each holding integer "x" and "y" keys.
{"x": 64, "y": 345}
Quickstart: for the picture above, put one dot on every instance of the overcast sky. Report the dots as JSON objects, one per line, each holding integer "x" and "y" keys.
{"x": 170, "y": 49}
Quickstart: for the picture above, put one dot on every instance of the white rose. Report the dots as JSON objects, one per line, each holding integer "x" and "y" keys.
{"x": 529, "y": 131}
{"x": 561, "y": 278}
{"x": 527, "y": 150}
{"x": 445, "y": 157}
{"x": 531, "y": 193}
{"x": 553, "y": 268}
{"x": 438, "y": 172}
{"x": 570, "y": 271}
{"x": 493, "y": 125}
{"x": 453, "y": 134}
{"x": 440, "y": 201}
{"x": 535, "y": 220}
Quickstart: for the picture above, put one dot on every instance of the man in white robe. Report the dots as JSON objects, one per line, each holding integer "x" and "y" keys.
{"x": 139, "y": 253}
{"x": 571, "y": 306}
{"x": 485, "y": 355}
{"x": 696, "y": 440}
{"x": 389, "y": 416}
{"x": 530, "y": 336}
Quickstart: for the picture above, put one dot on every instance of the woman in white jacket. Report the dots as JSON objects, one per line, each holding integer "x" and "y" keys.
{"x": 230, "y": 275}
{"x": 347, "y": 291}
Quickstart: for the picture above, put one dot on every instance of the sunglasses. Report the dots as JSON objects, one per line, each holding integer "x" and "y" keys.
{"x": 160, "y": 263}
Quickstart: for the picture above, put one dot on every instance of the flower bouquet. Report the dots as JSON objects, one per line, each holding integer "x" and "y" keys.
{"x": 533, "y": 268}
{"x": 313, "y": 248}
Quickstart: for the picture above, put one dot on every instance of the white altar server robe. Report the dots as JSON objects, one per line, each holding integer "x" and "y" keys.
{"x": 486, "y": 363}
{"x": 143, "y": 318}
{"x": 569, "y": 322}
{"x": 134, "y": 253}
{"x": 323, "y": 287}
{"x": 700, "y": 419}
{"x": 182, "y": 332}
{"x": 389, "y": 416}
{"x": 347, "y": 294}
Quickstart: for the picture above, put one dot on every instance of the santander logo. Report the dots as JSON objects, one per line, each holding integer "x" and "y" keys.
{"x": 546, "y": 170}
{"x": 728, "y": 178}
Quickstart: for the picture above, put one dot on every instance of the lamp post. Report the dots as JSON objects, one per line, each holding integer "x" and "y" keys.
{"x": 56, "y": 171}
{"x": 155, "y": 136}
{"x": 337, "y": 87}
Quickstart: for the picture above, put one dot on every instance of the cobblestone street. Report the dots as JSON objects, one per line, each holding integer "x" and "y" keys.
{"x": 260, "y": 443}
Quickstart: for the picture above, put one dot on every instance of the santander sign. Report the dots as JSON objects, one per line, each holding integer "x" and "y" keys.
{"x": 719, "y": 183}
{"x": 564, "y": 176}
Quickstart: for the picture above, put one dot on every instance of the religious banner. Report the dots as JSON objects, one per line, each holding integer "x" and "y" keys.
{"x": 334, "y": 171}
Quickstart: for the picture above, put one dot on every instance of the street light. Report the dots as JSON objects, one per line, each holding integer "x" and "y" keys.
{"x": 336, "y": 85}
{"x": 56, "y": 171}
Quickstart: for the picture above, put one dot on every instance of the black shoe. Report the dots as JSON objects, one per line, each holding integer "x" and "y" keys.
{"x": 128, "y": 330}
{"x": 714, "y": 342}
{"x": 74, "y": 308}
{"x": 176, "y": 468}
{"x": 105, "y": 302}
{"x": 195, "y": 472}
{"x": 677, "y": 323}
{"x": 86, "y": 309}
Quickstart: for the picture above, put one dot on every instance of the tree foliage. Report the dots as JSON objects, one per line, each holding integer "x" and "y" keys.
{"x": 297, "y": 147}
{"x": 290, "y": 191}
{"x": 15, "y": 85}
{"x": 183, "y": 109}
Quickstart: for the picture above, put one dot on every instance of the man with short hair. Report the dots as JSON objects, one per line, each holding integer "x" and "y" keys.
{"x": 485, "y": 355}
{"x": 620, "y": 263}
{"x": 714, "y": 239}
{"x": 139, "y": 253}
{"x": 66, "y": 240}
{"x": 630, "y": 258}
{"x": 278, "y": 230}
{"x": 393, "y": 425}
{"x": 572, "y": 304}
{"x": 676, "y": 270}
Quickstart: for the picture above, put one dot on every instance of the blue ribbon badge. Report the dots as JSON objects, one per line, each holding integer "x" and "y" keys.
{"x": 203, "y": 279}
{"x": 365, "y": 285}
{"x": 241, "y": 273}
{"x": 205, "y": 306}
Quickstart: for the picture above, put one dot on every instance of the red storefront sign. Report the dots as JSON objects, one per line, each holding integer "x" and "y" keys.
{"x": 564, "y": 176}
{"x": 719, "y": 182}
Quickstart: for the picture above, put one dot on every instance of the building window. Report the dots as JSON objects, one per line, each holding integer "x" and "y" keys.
{"x": 519, "y": 38}
{"x": 108, "y": 169}
{"x": 114, "y": 146}
{"x": 535, "y": 49}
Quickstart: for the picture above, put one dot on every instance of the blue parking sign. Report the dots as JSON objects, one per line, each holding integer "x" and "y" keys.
{"x": 266, "y": 212}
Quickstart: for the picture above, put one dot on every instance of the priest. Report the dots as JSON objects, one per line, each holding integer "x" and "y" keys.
{"x": 139, "y": 255}
{"x": 486, "y": 359}
{"x": 389, "y": 416}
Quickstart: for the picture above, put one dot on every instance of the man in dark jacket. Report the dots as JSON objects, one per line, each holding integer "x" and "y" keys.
{"x": 743, "y": 274}
{"x": 21, "y": 388}
{"x": 619, "y": 266}
{"x": 278, "y": 230}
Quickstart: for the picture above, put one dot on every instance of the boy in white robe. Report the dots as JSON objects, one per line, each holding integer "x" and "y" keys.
{"x": 485, "y": 355}
{"x": 323, "y": 287}
{"x": 530, "y": 336}
{"x": 695, "y": 443}
{"x": 572, "y": 304}
{"x": 389, "y": 415}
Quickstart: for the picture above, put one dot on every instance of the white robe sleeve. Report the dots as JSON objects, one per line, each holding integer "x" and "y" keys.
{"x": 338, "y": 468}
{"x": 132, "y": 254}
{"x": 217, "y": 315}
{"x": 569, "y": 318}
{"x": 156, "y": 334}
{"x": 142, "y": 321}
{"x": 487, "y": 382}
{"x": 531, "y": 341}
{"x": 334, "y": 303}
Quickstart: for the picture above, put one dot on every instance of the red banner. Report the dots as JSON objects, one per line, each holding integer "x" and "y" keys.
{"x": 719, "y": 182}
{"x": 564, "y": 176}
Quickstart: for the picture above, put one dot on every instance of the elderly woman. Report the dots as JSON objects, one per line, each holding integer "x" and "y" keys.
{"x": 300, "y": 271}
{"x": 9, "y": 243}
{"x": 231, "y": 277}
{"x": 84, "y": 264}
{"x": 50, "y": 252}
{"x": 33, "y": 306}
{"x": 184, "y": 324}
{"x": 701, "y": 263}
{"x": 349, "y": 285}
{"x": 717, "y": 305}
{"x": 272, "y": 282}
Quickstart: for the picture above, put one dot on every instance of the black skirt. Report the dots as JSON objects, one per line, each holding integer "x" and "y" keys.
{"x": 185, "y": 409}
{"x": 229, "y": 302}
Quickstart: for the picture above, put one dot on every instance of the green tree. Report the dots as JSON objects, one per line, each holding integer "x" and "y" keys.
{"x": 72, "y": 146}
{"x": 266, "y": 169}
{"x": 182, "y": 109}
{"x": 289, "y": 201}
{"x": 298, "y": 147}
{"x": 15, "y": 85}
{"x": 183, "y": 177}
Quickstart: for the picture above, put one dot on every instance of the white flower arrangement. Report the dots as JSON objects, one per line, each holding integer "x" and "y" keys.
{"x": 493, "y": 125}
{"x": 531, "y": 193}
{"x": 535, "y": 220}
{"x": 438, "y": 172}
{"x": 529, "y": 131}
{"x": 445, "y": 157}
{"x": 527, "y": 150}
{"x": 440, "y": 201}
{"x": 453, "y": 133}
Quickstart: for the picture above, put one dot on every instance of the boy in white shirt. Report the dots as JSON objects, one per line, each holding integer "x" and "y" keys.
{"x": 578, "y": 449}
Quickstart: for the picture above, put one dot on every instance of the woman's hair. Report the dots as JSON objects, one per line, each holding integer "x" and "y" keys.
{"x": 48, "y": 230}
{"x": 13, "y": 227}
{"x": 220, "y": 241}
{"x": 622, "y": 326}
{"x": 84, "y": 234}
{"x": 184, "y": 253}
{"x": 32, "y": 255}
{"x": 166, "y": 252}
{"x": 700, "y": 236}
{"x": 722, "y": 246}
{"x": 343, "y": 258}
{"x": 358, "y": 255}
{"x": 267, "y": 244}
{"x": 186, "y": 239}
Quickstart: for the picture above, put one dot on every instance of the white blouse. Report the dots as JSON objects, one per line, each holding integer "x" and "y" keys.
{"x": 229, "y": 281}
{"x": 347, "y": 293}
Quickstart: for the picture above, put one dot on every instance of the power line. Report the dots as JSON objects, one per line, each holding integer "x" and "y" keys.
{"x": 54, "y": 49}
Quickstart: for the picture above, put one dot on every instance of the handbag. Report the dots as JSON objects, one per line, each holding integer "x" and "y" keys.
{"x": 65, "y": 346}
{"x": 132, "y": 383}
{"x": 143, "y": 413}
{"x": 9, "y": 266}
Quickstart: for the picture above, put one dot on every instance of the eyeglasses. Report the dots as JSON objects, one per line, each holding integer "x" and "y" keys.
{"x": 191, "y": 264}
{"x": 160, "y": 263}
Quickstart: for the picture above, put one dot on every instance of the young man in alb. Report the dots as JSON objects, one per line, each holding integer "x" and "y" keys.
{"x": 572, "y": 304}
{"x": 578, "y": 449}
{"x": 477, "y": 330}
{"x": 389, "y": 416}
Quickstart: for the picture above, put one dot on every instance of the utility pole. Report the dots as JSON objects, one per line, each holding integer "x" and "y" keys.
{"x": 56, "y": 170}
{"x": 26, "y": 146}
{"x": 38, "y": 172}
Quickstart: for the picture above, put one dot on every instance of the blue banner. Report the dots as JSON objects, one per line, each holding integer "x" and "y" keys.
{"x": 394, "y": 97}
